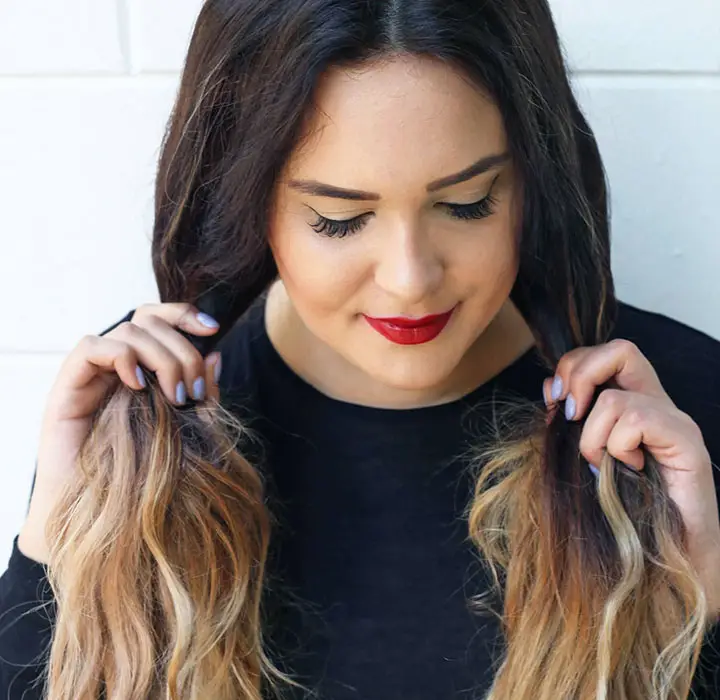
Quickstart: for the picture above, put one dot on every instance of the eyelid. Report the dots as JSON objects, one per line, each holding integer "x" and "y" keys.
{"x": 489, "y": 193}
{"x": 332, "y": 217}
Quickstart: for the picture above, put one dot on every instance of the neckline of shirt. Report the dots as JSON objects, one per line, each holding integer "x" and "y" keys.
{"x": 265, "y": 352}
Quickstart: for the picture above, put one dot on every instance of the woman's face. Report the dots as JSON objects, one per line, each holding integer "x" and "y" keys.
{"x": 401, "y": 203}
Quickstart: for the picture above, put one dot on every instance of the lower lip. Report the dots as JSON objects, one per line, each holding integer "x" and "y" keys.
{"x": 405, "y": 334}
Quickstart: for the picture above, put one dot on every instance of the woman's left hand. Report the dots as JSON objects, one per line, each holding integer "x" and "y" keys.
{"x": 638, "y": 413}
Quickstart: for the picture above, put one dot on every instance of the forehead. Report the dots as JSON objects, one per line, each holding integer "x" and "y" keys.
{"x": 399, "y": 120}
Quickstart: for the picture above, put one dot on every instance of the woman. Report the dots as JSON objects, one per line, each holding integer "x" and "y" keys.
{"x": 389, "y": 220}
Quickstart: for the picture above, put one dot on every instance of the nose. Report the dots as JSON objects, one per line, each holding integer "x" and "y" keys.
{"x": 409, "y": 267}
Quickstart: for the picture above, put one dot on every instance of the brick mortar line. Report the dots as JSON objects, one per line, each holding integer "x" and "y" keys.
{"x": 19, "y": 354}
{"x": 124, "y": 35}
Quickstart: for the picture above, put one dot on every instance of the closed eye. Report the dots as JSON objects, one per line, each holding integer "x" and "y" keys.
{"x": 334, "y": 228}
{"x": 476, "y": 210}
{"x": 340, "y": 228}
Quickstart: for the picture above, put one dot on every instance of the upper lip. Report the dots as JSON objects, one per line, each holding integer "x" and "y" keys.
{"x": 409, "y": 321}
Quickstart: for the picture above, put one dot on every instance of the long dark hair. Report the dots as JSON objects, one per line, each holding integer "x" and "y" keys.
{"x": 571, "y": 558}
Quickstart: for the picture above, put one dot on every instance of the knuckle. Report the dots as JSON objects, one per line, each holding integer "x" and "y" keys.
{"x": 564, "y": 364}
{"x": 610, "y": 399}
{"x": 684, "y": 417}
{"x": 127, "y": 329}
{"x": 88, "y": 342}
{"x": 627, "y": 347}
{"x": 151, "y": 323}
{"x": 688, "y": 421}
{"x": 194, "y": 363}
{"x": 586, "y": 446}
{"x": 635, "y": 417}
{"x": 145, "y": 310}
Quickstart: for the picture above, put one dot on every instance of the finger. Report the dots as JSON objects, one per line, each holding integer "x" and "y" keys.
{"x": 555, "y": 388}
{"x": 600, "y": 422}
{"x": 95, "y": 355}
{"x": 93, "y": 368}
{"x": 666, "y": 433}
{"x": 547, "y": 391}
{"x": 213, "y": 368}
{"x": 626, "y": 425}
{"x": 624, "y": 442}
{"x": 193, "y": 367}
{"x": 154, "y": 354}
{"x": 618, "y": 361}
{"x": 179, "y": 315}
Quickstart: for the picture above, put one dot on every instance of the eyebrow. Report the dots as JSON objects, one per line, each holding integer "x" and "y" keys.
{"x": 320, "y": 189}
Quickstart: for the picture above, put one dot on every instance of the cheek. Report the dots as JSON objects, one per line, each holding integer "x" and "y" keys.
{"x": 488, "y": 261}
{"x": 321, "y": 275}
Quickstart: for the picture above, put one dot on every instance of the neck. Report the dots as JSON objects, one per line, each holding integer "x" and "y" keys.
{"x": 504, "y": 341}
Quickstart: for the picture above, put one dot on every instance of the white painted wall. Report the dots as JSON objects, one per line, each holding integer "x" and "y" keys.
{"x": 86, "y": 87}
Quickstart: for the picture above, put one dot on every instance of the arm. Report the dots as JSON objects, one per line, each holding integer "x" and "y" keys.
{"x": 27, "y": 605}
{"x": 27, "y": 613}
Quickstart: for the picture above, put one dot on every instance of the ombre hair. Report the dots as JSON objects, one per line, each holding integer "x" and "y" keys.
{"x": 159, "y": 547}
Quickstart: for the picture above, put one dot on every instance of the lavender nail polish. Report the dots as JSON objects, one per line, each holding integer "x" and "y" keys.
{"x": 570, "y": 407}
{"x": 199, "y": 389}
{"x": 594, "y": 469}
{"x": 180, "y": 393}
{"x": 140, "y": 377}
{"x": 207, "y": 321}
{"x": 557, "y": 388}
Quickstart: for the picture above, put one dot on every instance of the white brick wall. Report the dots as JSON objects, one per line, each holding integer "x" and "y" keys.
{"x": 85, "y": 89}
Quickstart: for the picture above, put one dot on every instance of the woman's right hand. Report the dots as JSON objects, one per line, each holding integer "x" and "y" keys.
{"x": 94, "y": 368}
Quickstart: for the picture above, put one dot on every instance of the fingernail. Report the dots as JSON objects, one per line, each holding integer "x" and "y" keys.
{"x": 594, "y": 469}
{"x": 180, "y": 393}
{"x": 218, "y": 368}
{"x": 557, "y": 388}
{"x": 199, "y": 389}
{"x": 140, "y": 377}
{"x": 570, "y": 407}
{"x": 207, "y": 321}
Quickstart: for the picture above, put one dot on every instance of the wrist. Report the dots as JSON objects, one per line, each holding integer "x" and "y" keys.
{"x": 710, "y": 577}
{"x": 32, "y": 541}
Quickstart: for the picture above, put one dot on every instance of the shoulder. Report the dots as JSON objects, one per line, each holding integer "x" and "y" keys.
{"x": 682, "y": 354}
{"x": 668, "y": 337}
{"x": 687, "y": 362}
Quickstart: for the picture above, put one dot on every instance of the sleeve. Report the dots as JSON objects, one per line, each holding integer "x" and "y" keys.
{"x": 27, "y": 614}
{"x": 706, "y": 683}
{"x": 127, "y": 317}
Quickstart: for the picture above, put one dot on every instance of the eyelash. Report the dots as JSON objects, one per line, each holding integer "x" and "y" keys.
{"x": 332, "y": 228}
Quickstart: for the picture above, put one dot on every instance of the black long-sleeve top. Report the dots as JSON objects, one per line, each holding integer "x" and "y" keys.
{"x": 372, "y": 539}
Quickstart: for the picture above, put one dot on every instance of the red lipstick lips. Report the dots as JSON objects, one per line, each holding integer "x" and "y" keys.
{"x": 411, "y": 331}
